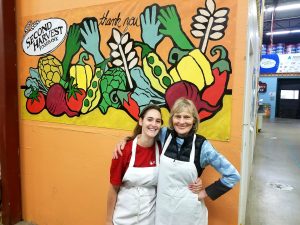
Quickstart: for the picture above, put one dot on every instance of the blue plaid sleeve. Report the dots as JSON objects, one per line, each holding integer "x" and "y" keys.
{"x": 209, "y": 156}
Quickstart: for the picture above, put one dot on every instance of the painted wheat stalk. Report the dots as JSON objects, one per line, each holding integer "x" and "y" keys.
{"x": 123, "y": 53}
{"x": 209, "y": 24}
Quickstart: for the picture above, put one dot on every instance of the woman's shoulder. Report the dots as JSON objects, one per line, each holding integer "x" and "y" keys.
{"x": 127, "y": 148}
{"x": 162, "y": 133}
{"x": 128, "y": 144}
{"x": 163, "y": 129}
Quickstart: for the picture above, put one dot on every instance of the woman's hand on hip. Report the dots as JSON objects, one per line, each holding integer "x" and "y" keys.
{"x": 202, "y": 195}
{"x": 196, "y": 186}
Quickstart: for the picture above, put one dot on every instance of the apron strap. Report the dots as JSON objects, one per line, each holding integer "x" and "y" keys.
{"x": 166, "y": 144}
{"x": 156, "y": 154}
{"x": 192, "y": 155}
{"x": 133, "y": 152}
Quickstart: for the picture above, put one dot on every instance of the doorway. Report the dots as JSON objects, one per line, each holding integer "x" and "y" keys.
{"x": 288, "y": 98}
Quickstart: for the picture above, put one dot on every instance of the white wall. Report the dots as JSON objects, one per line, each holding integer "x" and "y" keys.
{"x": 250, "y": 105}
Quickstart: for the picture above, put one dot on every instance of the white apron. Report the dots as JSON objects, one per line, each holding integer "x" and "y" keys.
{"x": 175, "y": 203}
{"x": 136, "y": 198}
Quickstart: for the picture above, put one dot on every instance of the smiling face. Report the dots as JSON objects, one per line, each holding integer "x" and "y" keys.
{"x": 151, "y": 123}
{"x": 183, "y": 122}
{"x": 184, "y": 117}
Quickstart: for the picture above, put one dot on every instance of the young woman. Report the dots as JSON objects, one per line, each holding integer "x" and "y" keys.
{"x": 184, "y": 156}
{"x": 133, "y": 176}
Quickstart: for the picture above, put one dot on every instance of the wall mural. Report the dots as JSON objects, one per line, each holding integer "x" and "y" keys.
{"x": 79, "y": 70}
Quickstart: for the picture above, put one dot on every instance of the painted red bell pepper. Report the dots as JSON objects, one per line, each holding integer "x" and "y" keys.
{"x": 130, "y": 105}
{"x": 221, "y": 70}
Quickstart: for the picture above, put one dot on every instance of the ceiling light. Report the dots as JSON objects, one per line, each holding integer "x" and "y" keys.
{"x": 278, "y": 32}
{"x": 283, "y": 32}
{"x": 295, "y": 31}
{"x": 283, "y": 7}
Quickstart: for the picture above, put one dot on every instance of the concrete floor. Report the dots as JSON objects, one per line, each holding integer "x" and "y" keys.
{"x": 274, "y": 190}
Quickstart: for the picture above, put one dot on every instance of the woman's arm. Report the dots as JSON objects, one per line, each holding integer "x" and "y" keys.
{"x": 111, "y": 203}
{"x": 230, "y": 175}
{"x": 120, "y": 146}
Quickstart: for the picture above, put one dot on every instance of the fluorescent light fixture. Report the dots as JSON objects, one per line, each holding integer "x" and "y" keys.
{"x": 283, "y": 32}
{"x": 283, "y": 7}
{"x": 295, "y": 31}
{"x": 279, "y": 32}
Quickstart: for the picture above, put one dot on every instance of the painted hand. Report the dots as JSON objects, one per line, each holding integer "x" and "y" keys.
{"x": 73, "y": 42}
{"x": 91, "y": 36}
{"x": 72, "y": 47}
{"x": 170, "y": 20}
{"x": 149, "y": 26}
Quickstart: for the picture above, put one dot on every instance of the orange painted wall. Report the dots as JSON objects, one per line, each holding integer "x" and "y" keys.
{"x": 65, "y": 168}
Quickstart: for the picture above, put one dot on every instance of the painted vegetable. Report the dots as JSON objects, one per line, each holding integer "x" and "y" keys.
{"x": 190, "y": 91}
{"x": 142, "y": 95}
{"x": 155, "y": 69}
{"x": 34, "y": 83}
{"x": 50, "y": 69}
{"x": 130, "y": 105}
{"x": 56, "y": 101}
{"x": 93, "y": 93}
{"x": 75, "y": 96}
{"x": 112, "y": 81}
{"x": 81, "y": 72}
{"x": 194, "y": 68}
{"x": 221, "y": 70}
{"x": 35, "y": 103}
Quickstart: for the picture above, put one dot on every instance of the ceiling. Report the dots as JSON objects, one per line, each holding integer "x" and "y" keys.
{"x": 283, "y": 20}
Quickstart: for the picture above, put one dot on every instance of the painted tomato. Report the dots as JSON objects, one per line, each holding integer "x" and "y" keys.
{"x": 75, "y": 99}
{"x": 35, "y": 104}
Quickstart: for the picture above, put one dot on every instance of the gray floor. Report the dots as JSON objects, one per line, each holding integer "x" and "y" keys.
{"x": 274, "y": 191}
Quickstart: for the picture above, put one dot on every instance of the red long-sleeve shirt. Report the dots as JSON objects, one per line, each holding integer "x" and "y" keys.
{"x": 145, "y": 157}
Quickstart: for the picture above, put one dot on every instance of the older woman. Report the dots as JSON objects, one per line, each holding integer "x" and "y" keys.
{"x": 184, "y": 157}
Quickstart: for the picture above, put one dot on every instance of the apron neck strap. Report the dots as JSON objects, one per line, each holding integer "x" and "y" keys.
{"x": 133, "y": 153}
{"x": 192, "y": 155}
{"x": 156, "y": 154}
{"x": 166, "y": 144}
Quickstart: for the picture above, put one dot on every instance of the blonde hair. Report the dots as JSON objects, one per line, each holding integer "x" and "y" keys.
{"x": 183, "y": 104}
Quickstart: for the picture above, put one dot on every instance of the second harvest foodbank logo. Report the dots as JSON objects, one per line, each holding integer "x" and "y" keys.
{"x": 44, "y": 36}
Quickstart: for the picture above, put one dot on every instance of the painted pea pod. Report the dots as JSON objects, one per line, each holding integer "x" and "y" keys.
{"x": 93, "y": 93}
{"x": 155, "y": 69}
